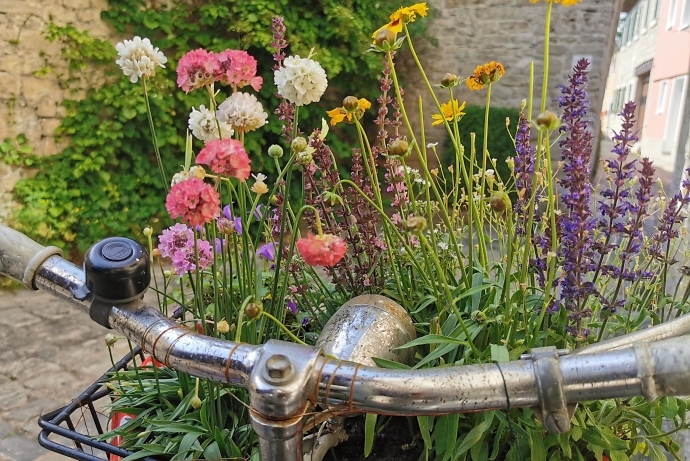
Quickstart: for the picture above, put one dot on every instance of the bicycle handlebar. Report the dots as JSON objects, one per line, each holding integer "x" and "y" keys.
{"x": 545, "y": 379}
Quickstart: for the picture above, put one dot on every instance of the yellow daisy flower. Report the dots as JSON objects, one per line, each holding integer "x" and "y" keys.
{"x": 403, "y": 16}
{"x": 486, "y": 73}
{"x": 340, "y": 114}
{"x": 451, "y": 110}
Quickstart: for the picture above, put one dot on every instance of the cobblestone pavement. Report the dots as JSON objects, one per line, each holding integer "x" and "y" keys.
{"x": 49, "y": 353}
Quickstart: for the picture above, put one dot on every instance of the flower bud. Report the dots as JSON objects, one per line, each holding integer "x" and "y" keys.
{"x": 478, "y": 316}
{"x": 414, "y": 224}
{"x": 148, "y": 232}
{"x": 110, "y": 340}
{"x": 223, "y": 326}
{"x": 180, "y": 394}
{"x": 197, "y": 172}
{"x": 275, "y": 151}
{"x": 385, "y": 35}
{"x": 167, "y": 274}
{"x": 449, "y": 80}
{"x": 304, "y": 158}
{"x": 252, "y": 310}
{"x": 156, "y": 253}
{"x": 350, "y": 103}
{"x": 195, "y": 402}
{"x": 179, "y": 177}
{"x": 499, "y": 202}
{"x": 399, "y": 148}
{"x": 273, "y": 200}
{"x": 548, "y": 120}
{"x": 299, "y": 144}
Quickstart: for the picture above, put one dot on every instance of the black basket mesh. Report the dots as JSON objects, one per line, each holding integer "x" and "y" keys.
{"x": 71, "y": 430}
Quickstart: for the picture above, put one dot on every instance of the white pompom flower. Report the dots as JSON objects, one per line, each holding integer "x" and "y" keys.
{"x": 139, "y": 58}
{"x": 301, "y": 80}
{"x": 242, "y": 111}
{"x": 203, "y": 125}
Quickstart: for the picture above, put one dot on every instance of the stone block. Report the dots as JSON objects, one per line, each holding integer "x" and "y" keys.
{"x": 19, "y": 448}
{"x": 49, "y": 125}
{"x": 46, "y": 109}
{"x": 10, "y": 83}
{"x": 76, "y": 4}
{"x": 37, "y": 89}
{"x": 12, "y": 395}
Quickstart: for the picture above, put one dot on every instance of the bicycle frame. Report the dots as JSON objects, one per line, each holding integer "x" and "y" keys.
{"x": 284, "y": 379}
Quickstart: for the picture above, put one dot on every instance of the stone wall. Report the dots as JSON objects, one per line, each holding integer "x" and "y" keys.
{"x": 472, "y": 32}
{"x": 30, "y": 104}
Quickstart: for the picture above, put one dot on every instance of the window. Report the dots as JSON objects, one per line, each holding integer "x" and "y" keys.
{"x": 670, "y": 21}
{"x": 643, "y": 17}
{"x": 685, "y": 15}
{"x": 674, "y": 115}
{"x": 661, "y": 102}
{"x": 653, "y": 12}
{"x": 634, "y": 23}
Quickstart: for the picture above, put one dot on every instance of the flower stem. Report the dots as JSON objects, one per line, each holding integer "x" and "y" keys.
{"x": 166, "y": 185}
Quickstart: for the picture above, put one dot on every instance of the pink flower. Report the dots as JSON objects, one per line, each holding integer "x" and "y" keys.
{"x": 196, "y": 69}
{"x": 174, "y": 238}
{"x": 184, "y": 258}
{"x": 194, "y": 201}
{"x": 226, "y": 156}
{"x": 237, "y": 69}
{"x": 322, "y": 250}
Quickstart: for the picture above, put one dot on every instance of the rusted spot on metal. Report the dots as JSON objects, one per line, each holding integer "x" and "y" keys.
{"x": 352, "y": 387}
{"x": 227, "y": 363}
{"x": 155, "y": 342}
{"x": 172, "y": 344}
{"x": 146, "y": 333}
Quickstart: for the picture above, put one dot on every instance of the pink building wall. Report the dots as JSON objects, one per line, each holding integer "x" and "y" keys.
{"x": 671, "y": 59}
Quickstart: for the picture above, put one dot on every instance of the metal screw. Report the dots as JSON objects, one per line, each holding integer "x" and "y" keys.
{"x": 278, "y": 367}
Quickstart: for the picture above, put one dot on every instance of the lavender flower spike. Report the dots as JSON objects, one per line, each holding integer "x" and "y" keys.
{"x": 616, "y": 199}
{"x": 578, "y": 225}
{"x": 525, "y": 160}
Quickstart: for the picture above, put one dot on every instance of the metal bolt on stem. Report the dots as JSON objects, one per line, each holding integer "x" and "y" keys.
{"x": 278, "y": 368}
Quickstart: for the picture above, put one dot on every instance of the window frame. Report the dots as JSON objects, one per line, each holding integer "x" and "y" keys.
{"x": 685, "y": 16}
{"x": 661, "y": 97}
{"x": 671, "y": 18}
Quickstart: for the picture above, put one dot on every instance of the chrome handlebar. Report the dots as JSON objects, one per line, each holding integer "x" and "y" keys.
{"x": 284, "y": 378}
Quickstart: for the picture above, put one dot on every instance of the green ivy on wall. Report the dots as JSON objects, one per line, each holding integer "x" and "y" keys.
{"x": 106, "y": 182}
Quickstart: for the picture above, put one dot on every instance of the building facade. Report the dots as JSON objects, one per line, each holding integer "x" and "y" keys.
{"x": 652, "y": 68}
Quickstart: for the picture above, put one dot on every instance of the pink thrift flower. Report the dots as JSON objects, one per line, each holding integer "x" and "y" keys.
{"x": 196, "y": 69}
{"x": 322, "y": 250}
{"x": 184, "y": 258}
{"x": 237, "y": 69}
{"x": 194, "y": 201}
{"x": 174, "y": 238}
{"x": 226, "y": 156}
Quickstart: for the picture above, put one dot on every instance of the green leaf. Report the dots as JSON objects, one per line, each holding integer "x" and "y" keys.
{"x": 475, "y": 434}
{"x": 446, "y": 434}
{"x": 369, "y": 433}
{"x": 212, "y": 452}
{"x": 425, "y": 424}
{"x": 383, "y": 363}
{"x": 618, "y": 456}
{"x": 669, "y": 407}
{"x": 603, "y": 437}
{"x": 536, "y": 445}
{"x": 432, "y": 339}
{"x": 499, "y": 353}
